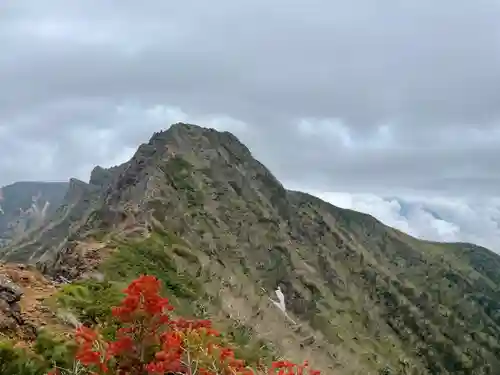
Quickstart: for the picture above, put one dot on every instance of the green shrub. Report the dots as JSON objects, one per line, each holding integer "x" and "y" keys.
{"x": 55, "y": 351}
{"x": 90, "y": 300}
{"x": 15, "y": 361}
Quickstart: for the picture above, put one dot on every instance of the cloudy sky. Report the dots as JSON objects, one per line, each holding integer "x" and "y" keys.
{"x": 387, "y": 107}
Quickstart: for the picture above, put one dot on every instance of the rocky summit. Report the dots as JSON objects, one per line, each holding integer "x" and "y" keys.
{"x": 196, "y": 209}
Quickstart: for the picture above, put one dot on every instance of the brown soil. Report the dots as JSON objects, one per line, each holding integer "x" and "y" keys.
{"x": 34, "y": 314}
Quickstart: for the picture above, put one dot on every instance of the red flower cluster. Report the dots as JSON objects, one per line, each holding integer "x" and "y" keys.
{"x": 150, "y": 341}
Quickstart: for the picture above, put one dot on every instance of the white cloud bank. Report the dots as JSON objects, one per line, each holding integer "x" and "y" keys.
{"x": 438, "y": 218}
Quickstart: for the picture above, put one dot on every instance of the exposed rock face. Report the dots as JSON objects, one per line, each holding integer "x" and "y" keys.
{"x": 22, "y": 291}
{"x": 365, "y": 296}
{"x": 10, "y": 296}
{"x": 9, "y": 292}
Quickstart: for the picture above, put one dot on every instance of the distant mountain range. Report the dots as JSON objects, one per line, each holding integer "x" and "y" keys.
{"x": 25, "y": 206}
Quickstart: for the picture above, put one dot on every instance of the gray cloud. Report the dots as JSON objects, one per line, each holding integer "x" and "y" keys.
{"x": 363, "y": 97}
{"x": 356, "y": 61}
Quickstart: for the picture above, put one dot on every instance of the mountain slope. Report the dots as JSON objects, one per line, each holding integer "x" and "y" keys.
{"x": 195, "y": 208}
{"x": 26, "y": 205}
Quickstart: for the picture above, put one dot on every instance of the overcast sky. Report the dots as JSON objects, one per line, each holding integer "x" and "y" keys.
{"x": 389, "y": 107}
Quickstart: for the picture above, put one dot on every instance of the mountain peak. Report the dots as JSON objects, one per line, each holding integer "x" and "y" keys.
{"x": 184, "y": 137}
{"x": 179, "y": 129}
{"x": 185, "y": 126}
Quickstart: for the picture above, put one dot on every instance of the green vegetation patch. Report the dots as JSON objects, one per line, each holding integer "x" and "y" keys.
{"x": 152, "y": 256}
{"x": 16, "y": 361}
{"x": 178, "y": 172}
{"x": 90, "y": 300}
{"x": 48, "y": 352}
{"x": 55, "y": 351}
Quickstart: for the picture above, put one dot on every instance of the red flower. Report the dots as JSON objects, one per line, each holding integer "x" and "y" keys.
{"x": 149, "y": 340}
